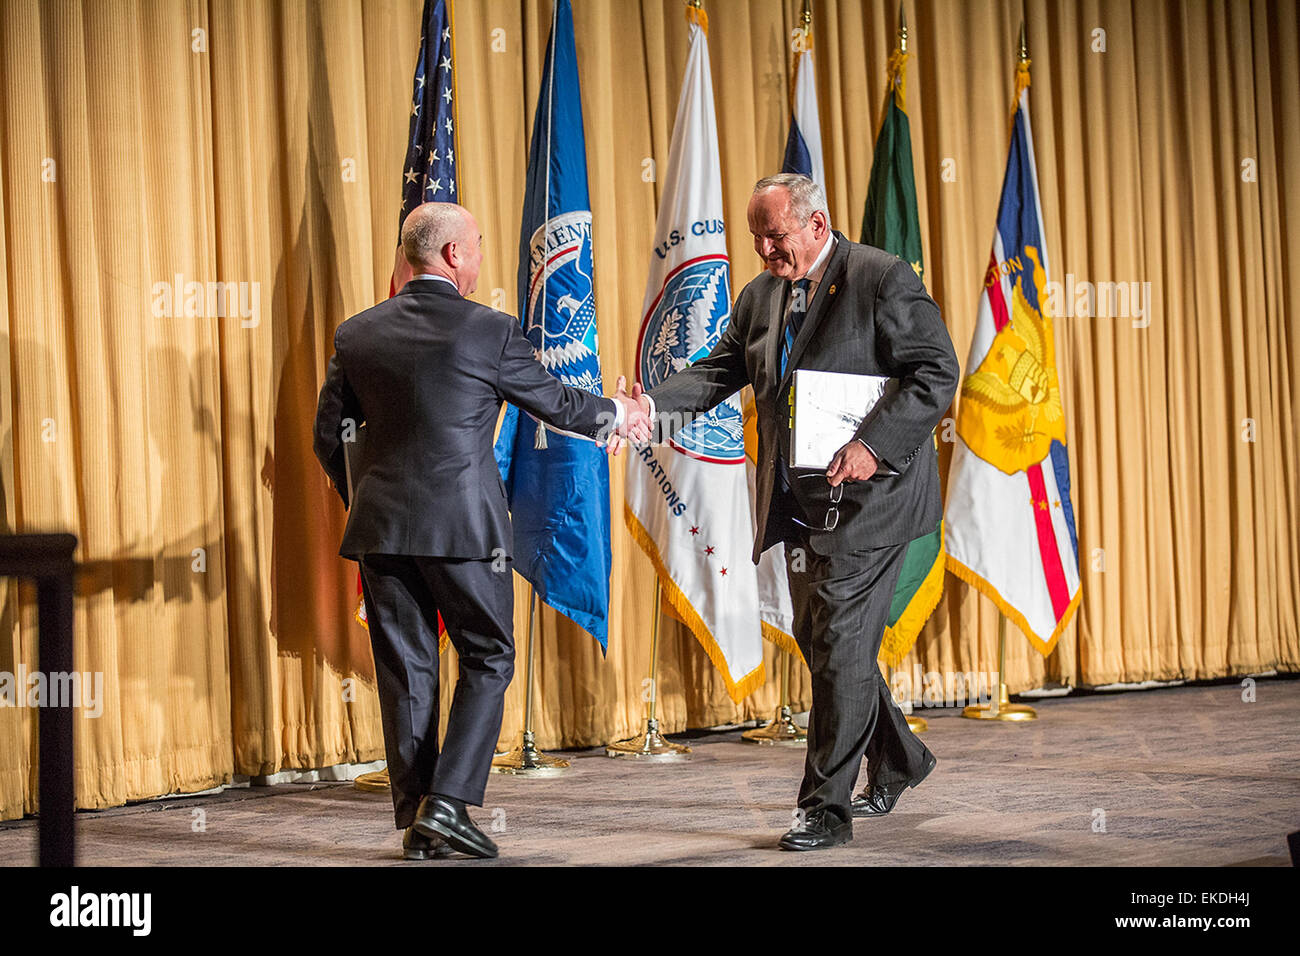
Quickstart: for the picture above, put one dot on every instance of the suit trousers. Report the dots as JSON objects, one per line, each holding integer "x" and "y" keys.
{"x": 841, "y": 604}
{"x": 404, "y": 595}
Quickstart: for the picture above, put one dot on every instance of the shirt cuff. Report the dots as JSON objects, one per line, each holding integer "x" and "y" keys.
{"x": 619, "y": 414}
{"x": 881, "y": 467}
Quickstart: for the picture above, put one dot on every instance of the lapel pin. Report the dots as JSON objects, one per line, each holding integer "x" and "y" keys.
{"x": 831, "y": 290}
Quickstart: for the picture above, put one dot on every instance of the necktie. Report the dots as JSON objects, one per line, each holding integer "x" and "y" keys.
{"x": 794, "y": 321}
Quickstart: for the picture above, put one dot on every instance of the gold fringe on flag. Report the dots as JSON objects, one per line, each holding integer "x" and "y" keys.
{"x": 1009, "y": 611}
{"x": 782, "y": 640}
{"x": 737, "y": 689}
{"x": 901, "y": 637}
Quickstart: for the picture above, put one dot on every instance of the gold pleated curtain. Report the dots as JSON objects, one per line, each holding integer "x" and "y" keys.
{"x": 144, "y": 146}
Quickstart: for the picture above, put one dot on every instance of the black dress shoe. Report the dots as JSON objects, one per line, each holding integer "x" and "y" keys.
{"x": 818, "y": 832}
{"x": 879, "y": 798}
{"x": 439, "y": 817}
{"x": 417, "y": 846}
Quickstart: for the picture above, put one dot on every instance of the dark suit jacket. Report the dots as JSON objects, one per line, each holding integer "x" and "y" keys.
{"x": 427, "y": 371}
{"x": 870, "y": 315}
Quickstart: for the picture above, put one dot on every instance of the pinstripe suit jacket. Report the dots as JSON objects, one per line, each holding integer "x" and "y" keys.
{"x": 870, "y": 315}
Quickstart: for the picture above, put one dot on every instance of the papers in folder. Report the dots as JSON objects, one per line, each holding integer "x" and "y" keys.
{"x": 827, "y": 409}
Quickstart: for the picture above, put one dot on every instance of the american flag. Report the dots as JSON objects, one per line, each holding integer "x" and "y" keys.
{"x": 429, "y": 174}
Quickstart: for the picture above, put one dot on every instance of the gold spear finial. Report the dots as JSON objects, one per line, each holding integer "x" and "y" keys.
{"x": 902, "y": 28}
{"x": 1024, "y": 47}
{"x": 807, "y": 15}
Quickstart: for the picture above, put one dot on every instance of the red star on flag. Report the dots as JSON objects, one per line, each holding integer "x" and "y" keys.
{"x": 709, "y": 549}
{"x": 695, "y": 530}
{"x": 724, "y": 572}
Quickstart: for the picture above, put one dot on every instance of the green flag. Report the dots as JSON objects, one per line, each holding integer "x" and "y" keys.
{"x": 890, "y": 222}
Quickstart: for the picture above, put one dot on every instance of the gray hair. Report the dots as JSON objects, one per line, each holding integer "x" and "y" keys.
{"x": 428, "y": 229}
{"x": 806, "y": 196}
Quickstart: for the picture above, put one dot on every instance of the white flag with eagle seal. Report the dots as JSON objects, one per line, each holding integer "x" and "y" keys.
{"x": 688, "y": 498}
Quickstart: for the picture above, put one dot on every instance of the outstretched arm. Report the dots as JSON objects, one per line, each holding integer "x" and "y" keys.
{"x": 717, "y": 376}
{"x": 524, "y": 382}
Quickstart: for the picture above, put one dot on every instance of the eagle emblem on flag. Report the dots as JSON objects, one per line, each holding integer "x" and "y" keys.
{"x": 683, "y": 326}
{"x": 1011, "y": 404}
{"x": 561, "y": 324}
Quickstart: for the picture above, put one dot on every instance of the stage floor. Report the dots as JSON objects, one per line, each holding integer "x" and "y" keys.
{"x": 1177, "y": 776}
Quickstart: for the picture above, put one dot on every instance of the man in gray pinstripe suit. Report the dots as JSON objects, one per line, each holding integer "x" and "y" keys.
{"x": 830, "y": 304}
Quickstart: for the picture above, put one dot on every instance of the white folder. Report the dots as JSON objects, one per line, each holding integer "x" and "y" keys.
{"x": 826, "y": 410}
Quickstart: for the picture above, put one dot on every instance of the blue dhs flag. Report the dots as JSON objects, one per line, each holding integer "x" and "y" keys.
{"x": 558, "y": 484}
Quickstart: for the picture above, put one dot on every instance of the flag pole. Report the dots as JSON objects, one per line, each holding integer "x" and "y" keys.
{"x": 1000, "y": 708}
{"x": 917, "y": 725}
{"x": 781, "y": 729}
{"x": 526, "y": 760}
{"x": 650, "y": 745}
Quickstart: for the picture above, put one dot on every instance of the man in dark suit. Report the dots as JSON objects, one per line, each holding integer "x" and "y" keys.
{"x": 427, "y": 371}
{"x": 830, "y": 304}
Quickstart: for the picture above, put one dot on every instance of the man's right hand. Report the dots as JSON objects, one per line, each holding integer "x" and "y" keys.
{"x": 636, "y": 418}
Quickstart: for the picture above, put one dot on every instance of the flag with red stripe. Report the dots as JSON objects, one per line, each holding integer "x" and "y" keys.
{"x": 1010, "y": 523}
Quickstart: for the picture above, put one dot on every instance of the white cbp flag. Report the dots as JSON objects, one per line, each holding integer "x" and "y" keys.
{"x": 688, "y": 499}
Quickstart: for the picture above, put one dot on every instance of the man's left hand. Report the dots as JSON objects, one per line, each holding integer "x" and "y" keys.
{"x": 851, "y": 463}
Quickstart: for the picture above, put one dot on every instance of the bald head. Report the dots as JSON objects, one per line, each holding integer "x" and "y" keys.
{"x": 429, "y": 228}
{"x": 442, "y": 238}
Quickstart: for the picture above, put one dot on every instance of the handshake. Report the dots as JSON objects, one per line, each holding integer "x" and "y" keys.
{"x": 635, "y": 410}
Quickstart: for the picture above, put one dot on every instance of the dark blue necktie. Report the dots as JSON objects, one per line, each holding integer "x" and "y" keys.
{"x": 798, "y": 310}
{"x": 794, "y": 322}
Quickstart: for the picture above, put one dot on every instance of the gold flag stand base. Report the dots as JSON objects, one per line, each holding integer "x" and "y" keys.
{"x": 917, "y": 725}
{"x": 527, "y": 761}
{"x": 1002, "y": 708}
{"x": 782, "y": 730}
{"x": 651, "y": 745}
{"x": 1005, "y": 710}
{"x": 374, "y": 782}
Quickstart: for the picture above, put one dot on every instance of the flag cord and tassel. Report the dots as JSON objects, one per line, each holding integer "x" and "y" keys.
{"x": 526, "y": 760}
{"x": 896, "y": 69}
{"x": 695, "y": 14}
{"x": 781, "y": 729}
{"x": 1000, "y": 708}
{"x": 650, "y": 745}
